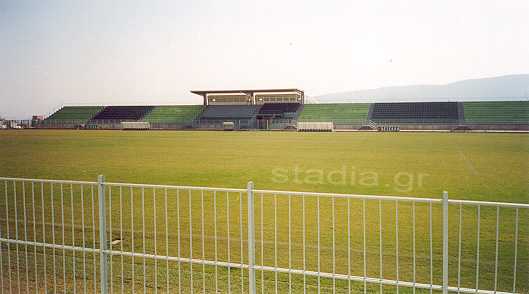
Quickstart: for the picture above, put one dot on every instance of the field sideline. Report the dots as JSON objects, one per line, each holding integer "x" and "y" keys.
{"x": 491, "y": 167}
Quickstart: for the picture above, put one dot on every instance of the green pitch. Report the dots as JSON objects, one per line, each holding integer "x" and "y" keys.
{"x": 491, "y": 167}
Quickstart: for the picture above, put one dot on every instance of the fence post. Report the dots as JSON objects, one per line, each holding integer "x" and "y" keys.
{"x": 445, "y": 242}
{"x": 251, "y": 240}
{"x": 102, "y": 235}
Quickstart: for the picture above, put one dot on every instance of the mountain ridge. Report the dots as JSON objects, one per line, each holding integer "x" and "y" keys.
{"x": 507, "y": 87}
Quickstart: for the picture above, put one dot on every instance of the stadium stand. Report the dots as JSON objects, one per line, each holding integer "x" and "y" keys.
{"x": 496, "y": 112}
{"x": 75, "y": 113}
{"x": 415, "y": 112}
{"x": 455, "y": 116}
{"x": 70, "y": 117}
{"x": 336, "y": 112}
{"x": 120, "y": 113}
{"x": 230, "y": 112}
{"x": 279, "y": 109}
{"x": 175, "y": 114}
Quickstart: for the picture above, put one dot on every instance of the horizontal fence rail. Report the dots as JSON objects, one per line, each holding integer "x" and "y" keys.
{"x": 102, "y": 237}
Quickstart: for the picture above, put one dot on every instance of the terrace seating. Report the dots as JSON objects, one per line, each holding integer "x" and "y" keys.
{"x": 70, "y": 117}
{"x": 278, "y": 109}
{"x": 121, "y": 113}
{"x": 174, "y": 114}
{"x": 75, "y": 113}
{"x": 497, "y": 112}
{"x": 230, "y": 111}
{"x": 336, "y": 112}
{"x": 415, "y": 112}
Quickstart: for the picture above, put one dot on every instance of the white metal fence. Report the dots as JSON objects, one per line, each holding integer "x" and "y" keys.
{"x": 79, "y": 236}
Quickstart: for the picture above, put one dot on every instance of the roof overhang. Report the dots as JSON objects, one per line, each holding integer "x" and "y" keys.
{"x": 245, "y": 91}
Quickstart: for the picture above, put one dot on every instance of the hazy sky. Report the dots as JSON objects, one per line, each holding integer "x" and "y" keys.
{"x": 153, "y": 52}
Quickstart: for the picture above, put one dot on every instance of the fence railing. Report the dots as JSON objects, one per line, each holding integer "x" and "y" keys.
{"x": 271, "y": 124}
{"x": 239, "y": 124}
{"x": 61, "y": 123}
{"x": 105, "y": 237}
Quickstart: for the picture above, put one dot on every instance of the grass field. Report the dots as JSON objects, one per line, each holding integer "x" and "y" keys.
{"x": 469, "y": 166}
{"x": 491, "y": 167}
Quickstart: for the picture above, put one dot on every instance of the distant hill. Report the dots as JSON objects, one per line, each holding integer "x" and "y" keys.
{"x": 511, "y": 87}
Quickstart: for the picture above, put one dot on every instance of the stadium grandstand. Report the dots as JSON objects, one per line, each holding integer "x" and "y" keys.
{"x": 71, "y": 116}
{"x": 344, "y": 113}
{"x": 123, "y": 113}
{"x": 250, "y": 109}
{"x": 499, "y": 112}
{"x": 173, "y": 116}
{"x": 230, "y": 112}
{"x": 279, "y": 109}
{"x": 111, "y": 117}
{"x": 413, "y": 112}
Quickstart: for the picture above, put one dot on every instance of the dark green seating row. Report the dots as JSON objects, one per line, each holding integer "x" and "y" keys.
{"x": 415, "y": 112}
{"x": 497, "y": 112}
{"x": 123, "y": 113}
{"x": 75, "y": 113}
{"x": 179, "y": 114}
{"x": 337, "y": 112}
{"x": 214, "y": 112}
